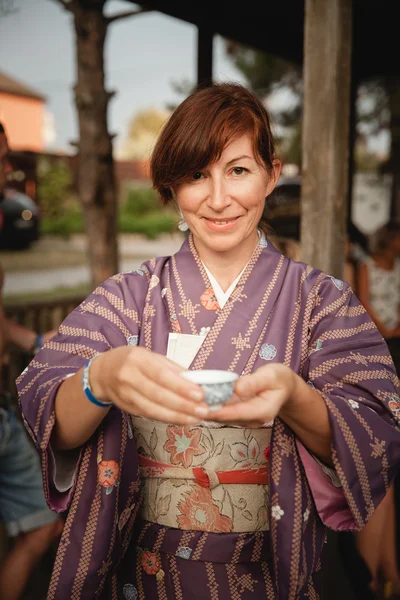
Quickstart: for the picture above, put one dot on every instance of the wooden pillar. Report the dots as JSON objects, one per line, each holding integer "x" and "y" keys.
{"x": 352, "y": 144}
{"x": 325, "y": 133}
{"x": 204, "y": 56}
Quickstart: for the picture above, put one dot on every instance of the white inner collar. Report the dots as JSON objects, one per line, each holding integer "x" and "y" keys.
{"x": 222, "y": 296}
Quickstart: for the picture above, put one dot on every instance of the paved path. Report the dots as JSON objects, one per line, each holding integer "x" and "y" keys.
{"x": 45, "y": 280}
{"x": 134, "y": 250}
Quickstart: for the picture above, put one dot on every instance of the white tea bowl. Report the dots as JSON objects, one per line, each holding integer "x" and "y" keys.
{"x": 217, "y": 385}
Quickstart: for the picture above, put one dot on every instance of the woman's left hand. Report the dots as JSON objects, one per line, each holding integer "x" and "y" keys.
{"x": 259, "y": 397}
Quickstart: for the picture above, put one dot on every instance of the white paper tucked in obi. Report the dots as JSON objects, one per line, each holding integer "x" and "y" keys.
{"x": 183, "y": 347}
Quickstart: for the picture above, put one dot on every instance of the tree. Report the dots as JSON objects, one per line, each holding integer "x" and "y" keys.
{"x": 264, "y": 72}
{"x": 143, "y": 130}
{"x": 96, "y": 181}
{"x": 378, "y": 111}
{"x": 377, "y": 108}
{"x": 268, "y": 75}
{"x": 55, "y": 182}
{"x": 7, "y": 7}
{"x": 183, "y": 88}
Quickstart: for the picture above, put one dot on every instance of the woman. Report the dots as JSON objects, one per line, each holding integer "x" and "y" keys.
{"x": 379, "y": 292}
{"x": 379, "y": 286}
{"x": 232, "y": 503}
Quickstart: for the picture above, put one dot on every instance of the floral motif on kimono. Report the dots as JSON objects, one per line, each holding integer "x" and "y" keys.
{"x": 267, "y": 352}
{"x": 124, "y": 517}
{"x": 394, "y": 405}
{"x": 141, "y": 270}
{"x": 154, "y": 281}
{"x": 183, "y": 444}
{"x": 175, "y": 323}
{"x": 108, "y": 474}
{"x": 150, "y": 562}
{"x": 277, "y": 512}
{"x": 130, "y": 592}
{"x": 184, "y": 552}
{"x": 338, "y": 283}
{"x": 246, "y": 453}
{"x": 133, "y": 340}
{"x": 198, "y": 512}
{"x": 209, "y": 300}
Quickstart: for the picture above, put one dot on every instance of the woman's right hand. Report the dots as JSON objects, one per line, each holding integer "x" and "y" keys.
{"x": 146, "y": 384}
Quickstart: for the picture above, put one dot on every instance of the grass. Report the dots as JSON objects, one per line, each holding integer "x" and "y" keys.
{"x": 141, "y": 213}
{"x": 150, "y": 224}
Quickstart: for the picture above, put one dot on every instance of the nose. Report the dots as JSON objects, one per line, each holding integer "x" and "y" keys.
{"x": 218, "y": 196}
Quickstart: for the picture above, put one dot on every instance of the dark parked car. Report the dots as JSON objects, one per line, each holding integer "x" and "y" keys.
{"x": 19, "y": 220}
{"x": 282, "y": 210}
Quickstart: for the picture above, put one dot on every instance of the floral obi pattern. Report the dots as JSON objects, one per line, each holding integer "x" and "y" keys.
{"x": 203, "y": 479}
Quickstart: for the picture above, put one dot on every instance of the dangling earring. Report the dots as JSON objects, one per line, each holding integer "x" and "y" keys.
{"x": 182, "y": 225}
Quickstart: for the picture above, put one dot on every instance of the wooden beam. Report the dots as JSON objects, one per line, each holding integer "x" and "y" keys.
{"x": 205, "y": 39}
{"x": 325, "y": 133}
{"x": 125, "y": 14}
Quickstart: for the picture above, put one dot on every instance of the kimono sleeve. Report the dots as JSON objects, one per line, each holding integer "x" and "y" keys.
{"x": 348, "y": 363}
{"x": 108, "y": 318}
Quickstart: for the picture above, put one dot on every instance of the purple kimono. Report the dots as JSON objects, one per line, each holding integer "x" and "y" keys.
{"x": 280, "y": 311}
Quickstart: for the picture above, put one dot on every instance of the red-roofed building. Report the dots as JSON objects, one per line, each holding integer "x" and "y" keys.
{"x": 21, "y": 112}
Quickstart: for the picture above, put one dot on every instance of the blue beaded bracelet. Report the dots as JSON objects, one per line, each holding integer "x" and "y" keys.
{"x": 38, "y": 343}
{"x": 86, "y": 387}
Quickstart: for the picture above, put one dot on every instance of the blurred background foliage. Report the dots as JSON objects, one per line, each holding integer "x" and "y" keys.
{"x": 140, "y": 210}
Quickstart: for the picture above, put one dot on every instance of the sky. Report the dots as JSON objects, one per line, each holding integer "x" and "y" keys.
{"x": 143, "y": 55}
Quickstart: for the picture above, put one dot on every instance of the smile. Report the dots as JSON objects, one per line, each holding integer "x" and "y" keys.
{"x": 221, "y": 225}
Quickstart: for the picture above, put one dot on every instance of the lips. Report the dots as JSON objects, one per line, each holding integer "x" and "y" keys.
{"x": 221, "y": 224}
{"x": 224, "y": 221}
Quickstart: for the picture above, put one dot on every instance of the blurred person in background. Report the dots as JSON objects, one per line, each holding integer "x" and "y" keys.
{"x": 356, "y": 252}
{"x": 29, "y": 523}
{"x": 379, "y": 286}
{"x": 379, "y": 291}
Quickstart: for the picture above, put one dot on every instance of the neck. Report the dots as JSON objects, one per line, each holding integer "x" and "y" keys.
{"x": 226, "y": 266}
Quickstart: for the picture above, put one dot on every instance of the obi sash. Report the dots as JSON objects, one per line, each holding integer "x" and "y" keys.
{"x": 203, "y": 479}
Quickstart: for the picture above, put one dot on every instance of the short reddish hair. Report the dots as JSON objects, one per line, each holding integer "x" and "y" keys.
{"x": 201, "y": 127}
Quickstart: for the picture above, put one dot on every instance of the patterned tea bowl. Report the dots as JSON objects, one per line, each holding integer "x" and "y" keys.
{"x": 217, "y": 385}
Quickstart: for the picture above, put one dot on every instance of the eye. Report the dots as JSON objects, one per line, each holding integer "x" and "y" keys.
{"x": 197, "y": 176}
{"x": 239, "y": 170}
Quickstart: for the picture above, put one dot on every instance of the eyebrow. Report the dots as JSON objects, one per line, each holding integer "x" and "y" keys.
{"x": 237, "y": 159}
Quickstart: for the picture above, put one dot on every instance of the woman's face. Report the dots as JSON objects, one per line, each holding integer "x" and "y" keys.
{"x": 223, "y": 203}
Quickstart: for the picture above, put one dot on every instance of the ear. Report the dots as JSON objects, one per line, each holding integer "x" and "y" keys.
{"x": 273, "y": 175}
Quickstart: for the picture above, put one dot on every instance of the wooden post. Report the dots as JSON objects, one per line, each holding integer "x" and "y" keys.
{"x": 204, "y": 56}
{"x": 393, "y": 87}
{"x": 352, "y": 144}
{"x": 325, "y": 134}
